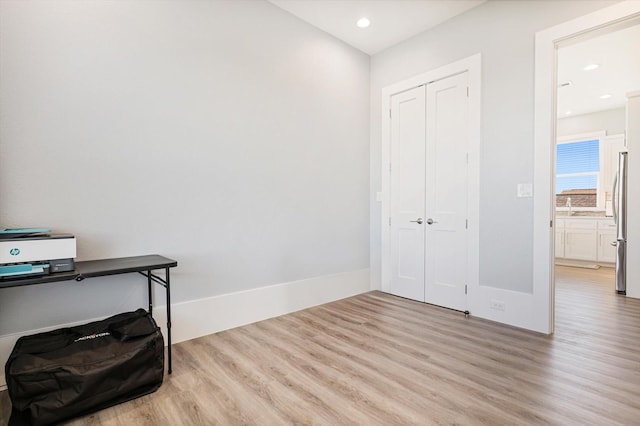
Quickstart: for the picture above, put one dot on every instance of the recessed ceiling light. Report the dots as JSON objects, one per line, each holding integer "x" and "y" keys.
{"x": 363, "y": 23}
{"x": 591, "y": 67}
{"x": 567, "y": 113}
{"x": 606, "y": 96}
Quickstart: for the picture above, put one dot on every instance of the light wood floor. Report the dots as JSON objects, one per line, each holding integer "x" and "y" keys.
{"x": 378, "y": 359}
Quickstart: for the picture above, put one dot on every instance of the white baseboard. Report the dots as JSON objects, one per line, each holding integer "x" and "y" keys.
{"x": 196, "y": 318}
{"x": 200, "y": 317}
{"x": 577, "y": 264}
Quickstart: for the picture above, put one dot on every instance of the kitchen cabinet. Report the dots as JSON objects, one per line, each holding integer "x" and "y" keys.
{"x": 606, "y": 235}
{"x": 580, "y": 239}
{"x": 587, "y": 239}
{"x": 559, "y": 237}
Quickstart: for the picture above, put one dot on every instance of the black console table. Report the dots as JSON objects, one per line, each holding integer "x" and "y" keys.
{"x": 145, "y": 265}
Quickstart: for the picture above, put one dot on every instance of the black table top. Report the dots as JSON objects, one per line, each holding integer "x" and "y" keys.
{"x": 97, "y": 268}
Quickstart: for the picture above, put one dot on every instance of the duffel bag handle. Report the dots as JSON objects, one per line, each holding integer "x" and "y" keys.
{"x": 130, "y": 328}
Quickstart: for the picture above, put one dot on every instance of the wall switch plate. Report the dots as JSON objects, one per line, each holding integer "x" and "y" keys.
{"x": 525, "y": 190}
{"x": 378, "y": 196}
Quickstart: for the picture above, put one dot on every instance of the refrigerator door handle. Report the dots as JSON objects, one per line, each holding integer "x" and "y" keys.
{"x": 621, "y": 228}
{"x": 614, "y": 195}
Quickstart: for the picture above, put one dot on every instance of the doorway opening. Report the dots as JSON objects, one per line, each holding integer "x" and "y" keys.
{"x": 545, "y": 118}
{"x": 595, "y": 71}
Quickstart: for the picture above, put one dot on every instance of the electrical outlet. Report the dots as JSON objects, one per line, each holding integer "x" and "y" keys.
{"x": 497, "y": 305}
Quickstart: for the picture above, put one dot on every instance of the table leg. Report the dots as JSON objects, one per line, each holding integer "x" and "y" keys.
{"x": 150, "y": 292}
{"x": 168, "y": 318}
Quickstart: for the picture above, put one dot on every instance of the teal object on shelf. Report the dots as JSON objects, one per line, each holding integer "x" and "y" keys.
{"x": 9, "y": 233}
{"x": 21, "y": 269}
{"x": 25, "y": 230}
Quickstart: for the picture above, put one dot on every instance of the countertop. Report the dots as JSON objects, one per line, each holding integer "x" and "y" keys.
{"x": 582, "y": 215}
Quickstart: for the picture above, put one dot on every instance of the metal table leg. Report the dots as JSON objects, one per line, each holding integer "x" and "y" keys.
{"x": 150, "y": 292}
{"x": 168, "y": 287}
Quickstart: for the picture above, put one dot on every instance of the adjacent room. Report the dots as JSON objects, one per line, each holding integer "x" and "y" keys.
{"x": 595, "y": 76}
{"x": 329, "y": 212}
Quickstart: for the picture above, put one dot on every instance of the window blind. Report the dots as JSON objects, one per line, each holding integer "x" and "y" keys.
{"x": 577, "y": 165}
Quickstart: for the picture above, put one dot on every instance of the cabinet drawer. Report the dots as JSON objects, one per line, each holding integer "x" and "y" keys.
{"x": 580, "y": 224}
{"x": 607, "y": 224}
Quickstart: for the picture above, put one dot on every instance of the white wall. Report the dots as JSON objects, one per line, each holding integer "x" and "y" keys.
{"x": 632, "y": 115}
{"x": 612, "y": 121}
{"x": 503, "y": 32}
{"x": 228, "y": 135}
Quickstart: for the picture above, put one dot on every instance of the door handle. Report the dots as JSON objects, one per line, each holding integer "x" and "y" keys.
{"x": 431, "y": 221}
{"x": 418, "y": 221}
{"x": 613, "y": 199}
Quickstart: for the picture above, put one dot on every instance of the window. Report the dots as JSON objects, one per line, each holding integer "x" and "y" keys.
{"x": 577, "y": 173}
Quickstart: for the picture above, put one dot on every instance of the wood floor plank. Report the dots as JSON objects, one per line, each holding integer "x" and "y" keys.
{"x": 377, "y": 359}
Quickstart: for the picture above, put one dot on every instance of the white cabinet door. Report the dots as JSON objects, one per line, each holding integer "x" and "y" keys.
{"x": 580, "y": 244}
{"x": 559, "y": 246}
{"x": 559, "y": 242}
{"x": 606, "y": 252}
{"x": 580, "y": 239}
{"x": 606, "y": 235}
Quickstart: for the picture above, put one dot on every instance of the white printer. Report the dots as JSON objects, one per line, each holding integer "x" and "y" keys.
{"x": 34, "y": 251}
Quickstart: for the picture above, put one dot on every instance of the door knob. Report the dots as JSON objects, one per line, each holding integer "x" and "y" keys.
{"x": 431, "y": 221}
{"x": 418, "y": 221}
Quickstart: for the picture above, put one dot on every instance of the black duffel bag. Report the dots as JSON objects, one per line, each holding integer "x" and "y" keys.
{"x": 75, "y": 371}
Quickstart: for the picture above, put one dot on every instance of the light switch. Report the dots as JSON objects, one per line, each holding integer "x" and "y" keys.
{"x": 378, "y": 196}
{"x": 525, "y": 190}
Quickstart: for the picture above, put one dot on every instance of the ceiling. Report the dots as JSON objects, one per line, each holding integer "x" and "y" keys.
{"x": 392, "y": 21}
{"x": 618, "y": 72}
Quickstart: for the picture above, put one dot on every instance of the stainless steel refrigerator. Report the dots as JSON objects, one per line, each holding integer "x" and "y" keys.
{"x": 619, "y": 199}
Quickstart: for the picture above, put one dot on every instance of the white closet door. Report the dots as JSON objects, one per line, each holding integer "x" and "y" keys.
{"x": 407, "y": 235}
{"x": 446, "y": 192}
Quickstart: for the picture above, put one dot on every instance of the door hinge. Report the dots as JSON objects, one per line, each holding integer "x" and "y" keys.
{"x": 466, "y": 224}
{"x": 389, "y": 113}
{"x": 551, "y": 223}
{"x": 467, "y": 91}
{"x": 467, "y": 158}
{"x": 389, "y": 167}
{"x": 465, "y": 289}
{"x": 389, "y": 220}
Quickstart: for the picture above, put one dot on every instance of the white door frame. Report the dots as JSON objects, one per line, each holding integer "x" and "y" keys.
{"x": 545, "y": 136}
{"x": 472, "y": 65}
